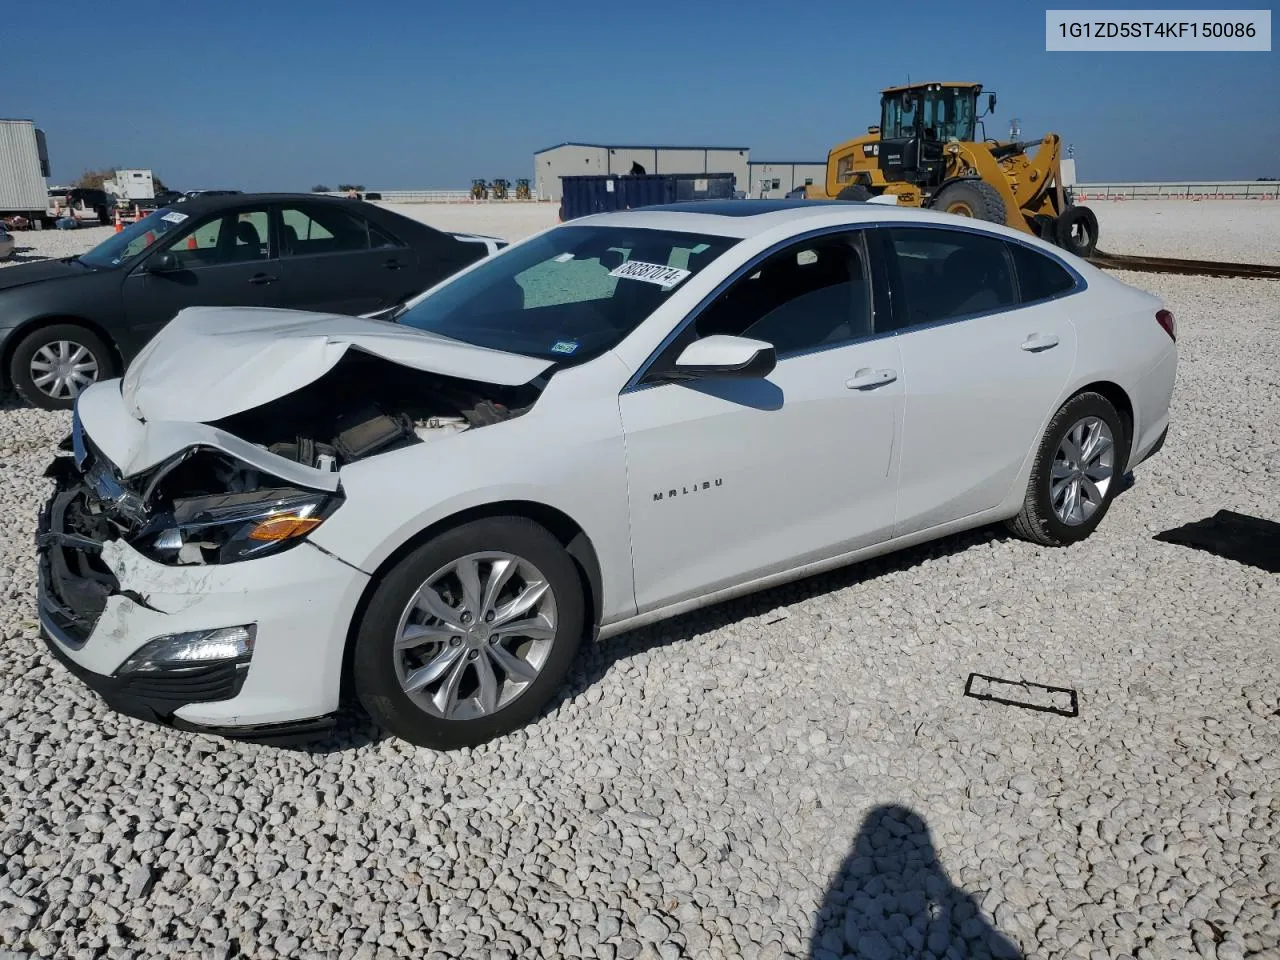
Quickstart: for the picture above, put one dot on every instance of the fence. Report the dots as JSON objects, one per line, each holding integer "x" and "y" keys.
{"x": 1152, "y": 190}
{"x": 1185, "y": 190}
{"x": 432, "y": 196}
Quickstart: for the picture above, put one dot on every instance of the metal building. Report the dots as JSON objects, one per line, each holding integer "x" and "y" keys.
{"x": 773, "y": 179}
{"x": 576, "y": 159}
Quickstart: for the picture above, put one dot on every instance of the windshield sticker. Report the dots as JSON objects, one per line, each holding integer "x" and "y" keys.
{"x": 563, "y": 258}
{"x": 565, "y": 346}
{"x": 174, "y": 217}
{"x": 665, "y": 277}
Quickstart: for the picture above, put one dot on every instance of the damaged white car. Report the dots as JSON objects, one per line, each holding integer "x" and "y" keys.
{"x": 608, "y": 423}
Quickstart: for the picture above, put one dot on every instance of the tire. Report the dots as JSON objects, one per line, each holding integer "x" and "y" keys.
{"x": 47, "y": 342}
{"x": 855, "y": 191}
{"x": 1077, "y": 231}
{"x": 378, "y": 667}
{"x": 1040, "y": 519}
{"x": 1045, "y": 227}
{"x": 971, "y": 198}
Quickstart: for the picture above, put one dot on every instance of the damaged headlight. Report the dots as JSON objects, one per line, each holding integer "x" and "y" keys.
{"x": 225, "y": 528}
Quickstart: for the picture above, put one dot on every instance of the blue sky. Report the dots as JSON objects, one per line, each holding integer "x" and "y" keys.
{"x": 402, "y": 94}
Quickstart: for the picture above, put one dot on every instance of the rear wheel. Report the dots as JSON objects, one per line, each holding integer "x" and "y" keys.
{"x": 971, "y": 198}
{"x": 470, "y": 635}
{"x": 53, "y": 365}
{"x": 855, "y": 191}
{"x": 1076, "y": 473}
{"x": 1077, "y": 231}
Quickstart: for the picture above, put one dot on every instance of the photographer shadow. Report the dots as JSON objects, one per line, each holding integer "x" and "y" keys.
{"x": 893, "y": 899}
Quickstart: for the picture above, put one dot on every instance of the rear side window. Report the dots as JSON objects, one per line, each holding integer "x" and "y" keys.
{"x": 1039, "y": 277}
{"x": 948, "y": 274}
{"x": 313, "y": 229}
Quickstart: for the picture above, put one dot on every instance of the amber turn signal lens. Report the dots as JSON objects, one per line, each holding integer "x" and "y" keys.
{"x": 286, "y": 526}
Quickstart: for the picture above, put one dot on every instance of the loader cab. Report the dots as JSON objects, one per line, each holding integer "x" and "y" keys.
{"x": 916, "y": 123}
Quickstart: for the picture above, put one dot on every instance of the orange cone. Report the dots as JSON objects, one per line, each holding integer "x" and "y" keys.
{"x": 191, "y": 243}
{"x": 119, "y": 225}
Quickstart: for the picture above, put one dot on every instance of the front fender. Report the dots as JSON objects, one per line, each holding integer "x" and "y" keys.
{"x": 578, "y": 470}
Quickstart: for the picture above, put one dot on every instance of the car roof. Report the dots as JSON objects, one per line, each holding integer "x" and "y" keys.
{"x": 748, "y": 218}
{"x": 208, "y": 201}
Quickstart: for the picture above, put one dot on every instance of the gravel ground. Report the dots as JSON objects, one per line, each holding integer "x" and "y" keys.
{"x": 795, "y": 774}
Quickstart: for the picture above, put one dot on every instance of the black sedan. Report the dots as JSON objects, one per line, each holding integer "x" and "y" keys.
{"x": 67, "y": 323}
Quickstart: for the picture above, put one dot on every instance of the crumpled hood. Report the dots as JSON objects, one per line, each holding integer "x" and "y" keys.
{"x": 211, "y": 362}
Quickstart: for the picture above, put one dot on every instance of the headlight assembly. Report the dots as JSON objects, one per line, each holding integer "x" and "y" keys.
{"x": 226, "y": 528}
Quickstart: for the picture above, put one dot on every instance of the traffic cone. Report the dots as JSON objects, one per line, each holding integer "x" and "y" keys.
{"x": 191, "y": 243}
{"x": 119, "y": 225}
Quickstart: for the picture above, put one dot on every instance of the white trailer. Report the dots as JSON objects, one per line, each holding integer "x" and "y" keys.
{"x": 24, "y": 165}
{"x": 130, "y": 185}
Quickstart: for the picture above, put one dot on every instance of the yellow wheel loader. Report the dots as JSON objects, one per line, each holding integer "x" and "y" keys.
{"x": 500, "y": 188}
{"x": 522, "y": 190}
{"x": 926, "y": 153}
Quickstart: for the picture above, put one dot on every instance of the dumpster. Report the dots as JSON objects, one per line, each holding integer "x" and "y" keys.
{"x": 584, "y": 195}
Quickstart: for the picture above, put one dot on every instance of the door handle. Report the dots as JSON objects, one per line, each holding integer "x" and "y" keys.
{"x": 868, "y": 379}
{"x": 1039, "y": 341}
{"x": 261, "y": 279}
{"x": 393, "y": 265}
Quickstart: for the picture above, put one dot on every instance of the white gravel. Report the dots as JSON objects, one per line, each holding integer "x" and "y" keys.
{"x": 796, "y": 774}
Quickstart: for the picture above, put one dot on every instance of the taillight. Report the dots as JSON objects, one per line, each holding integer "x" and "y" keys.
{"x": 1165, "y": 319}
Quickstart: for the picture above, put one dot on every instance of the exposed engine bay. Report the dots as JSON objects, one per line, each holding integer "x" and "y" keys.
{"x": 366, "y": 405}
{"x": 204, "y": 505}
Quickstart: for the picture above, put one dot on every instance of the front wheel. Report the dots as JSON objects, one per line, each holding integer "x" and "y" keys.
{"x": 1075, "y": 474}
{"x": 53, "y": 365}
{"x": 470, "y": 635}
{"x": 971, "y": 198}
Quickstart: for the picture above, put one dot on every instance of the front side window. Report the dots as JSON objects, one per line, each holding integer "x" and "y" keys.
{"x": 809, "y": 296}
{"x": 568, "y": 295}
{"x": 240, "y": 236}
{"x": 947, "y": 274}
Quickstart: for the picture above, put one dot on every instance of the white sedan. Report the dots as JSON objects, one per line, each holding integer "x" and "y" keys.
{"x": 608, "y": 423}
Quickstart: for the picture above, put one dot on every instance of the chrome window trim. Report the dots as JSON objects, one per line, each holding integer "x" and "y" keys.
{"x": 635, "y": 384}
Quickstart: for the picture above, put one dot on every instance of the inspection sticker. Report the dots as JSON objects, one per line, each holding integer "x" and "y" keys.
{"x": 565, "y": 346}
{"x": 663, "y": 276}
{"x": 174, "y": 217}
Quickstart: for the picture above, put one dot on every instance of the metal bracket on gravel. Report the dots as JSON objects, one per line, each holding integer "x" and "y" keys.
{"x": 1023, "y": 693}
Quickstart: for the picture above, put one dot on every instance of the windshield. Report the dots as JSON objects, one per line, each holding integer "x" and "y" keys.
{"x": 123, "y": 247}
{"x": 568, "y": 295}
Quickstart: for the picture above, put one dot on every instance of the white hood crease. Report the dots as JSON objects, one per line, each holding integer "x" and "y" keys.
{"x": 211, "y": 362}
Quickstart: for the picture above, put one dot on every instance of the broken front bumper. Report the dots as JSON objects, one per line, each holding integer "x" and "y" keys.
{"x": 100, "y": 602}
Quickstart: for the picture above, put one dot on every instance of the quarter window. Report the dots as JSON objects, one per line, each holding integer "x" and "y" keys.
{"x": 1039, "y": 277}
{"x": 948, "y": 274}
{"x": 810, "y": 295}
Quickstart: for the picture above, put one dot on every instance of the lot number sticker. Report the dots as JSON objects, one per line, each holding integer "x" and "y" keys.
{"x": 174, "y": 217}
{"x": 664, "y": 276}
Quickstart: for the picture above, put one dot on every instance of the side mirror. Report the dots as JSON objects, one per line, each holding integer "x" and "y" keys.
{"x": 991, "y": 103}
{"x": 162, "y": 263}
{"x": 724, "y": 356}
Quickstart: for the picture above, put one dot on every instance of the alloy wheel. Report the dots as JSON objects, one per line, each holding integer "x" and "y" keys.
{"x": 1083, "y": 470}
{"x": 475, "y": 635}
